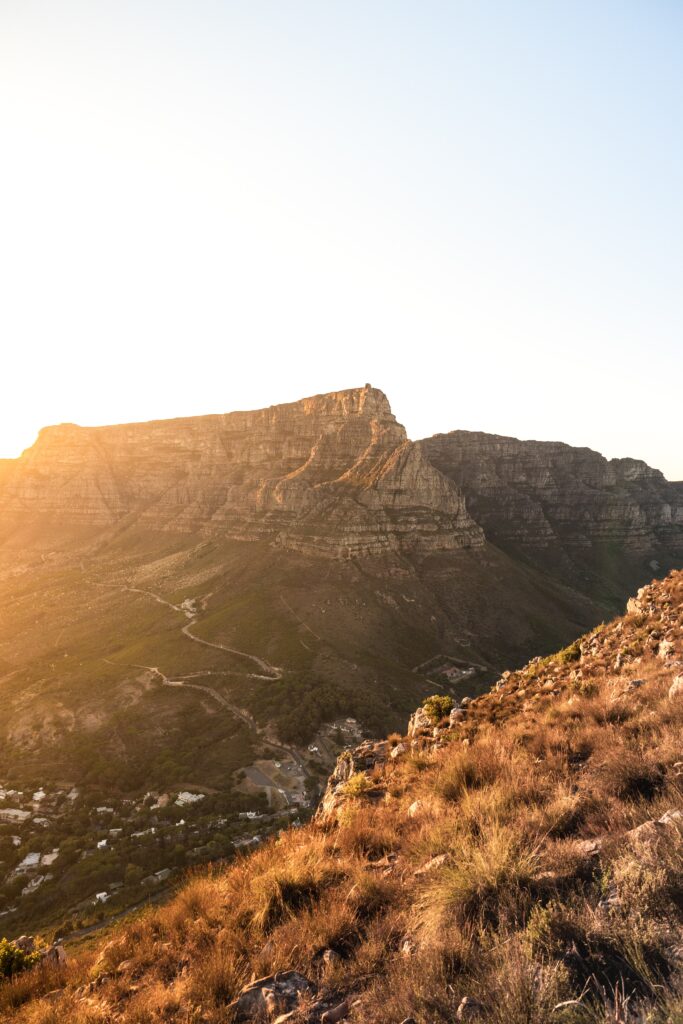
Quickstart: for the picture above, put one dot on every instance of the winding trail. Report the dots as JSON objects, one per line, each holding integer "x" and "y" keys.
{"x": 268, "y": 672}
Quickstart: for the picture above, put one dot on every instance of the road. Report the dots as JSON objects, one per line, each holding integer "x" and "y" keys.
{"x": 268, "y": 672}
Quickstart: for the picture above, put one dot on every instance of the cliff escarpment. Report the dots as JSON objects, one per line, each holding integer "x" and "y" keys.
{"x": 565, "y": 505}
{"x": 332, "y": 475}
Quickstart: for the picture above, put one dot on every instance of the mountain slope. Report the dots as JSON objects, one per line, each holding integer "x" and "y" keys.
{"x": 522, "y": 862}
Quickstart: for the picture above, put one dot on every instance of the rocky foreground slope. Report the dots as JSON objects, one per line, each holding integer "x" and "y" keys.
{"x": 519, "y": 860}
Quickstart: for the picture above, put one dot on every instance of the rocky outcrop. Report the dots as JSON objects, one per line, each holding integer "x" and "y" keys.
{"x": 419, "y": 722}
{"x": 332, "y": 475}
{"x": 265, "y": 998}
{"x": 335, "y": 475}
{"x": 350, "y": 763}
{"x": 550, "y": 498}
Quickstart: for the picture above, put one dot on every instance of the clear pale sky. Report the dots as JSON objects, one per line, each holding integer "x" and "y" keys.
{"x": 476, "y": 206}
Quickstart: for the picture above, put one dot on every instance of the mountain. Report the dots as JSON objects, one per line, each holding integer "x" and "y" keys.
{"x": 516, "y": 859}
{"x": 601, "y": 523}
{"x": 217, "y": 605}
{"x": 331, "y": 476}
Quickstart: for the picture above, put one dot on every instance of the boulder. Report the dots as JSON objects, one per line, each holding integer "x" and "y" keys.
{"x": 396, "y": 751}
{"x": 336, "y": 1013}
{"x": 666, "y": 649}
{"x": 55, "y": 955}
{"x": 276, "y": 994}
{"x": 651, "y": 831}
{"x": 676, "y": 688}
{"x": 588, "y": 847}
{"x": 469, "y": 1009}
{"x": 418, "y": 721}
{"x": 435, "y": 862}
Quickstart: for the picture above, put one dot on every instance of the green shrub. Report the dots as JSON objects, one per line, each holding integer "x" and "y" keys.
{"x": 14, "y": 960}
{"x": 438, "y": 706}
{"x": 569, "y": 654}
{"x": 357, "y": 784}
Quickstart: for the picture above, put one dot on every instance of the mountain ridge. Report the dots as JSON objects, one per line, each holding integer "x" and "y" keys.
{"x": 333, "y": 475}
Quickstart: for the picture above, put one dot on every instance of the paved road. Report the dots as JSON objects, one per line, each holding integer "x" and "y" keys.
{"x": 259, "y": 778}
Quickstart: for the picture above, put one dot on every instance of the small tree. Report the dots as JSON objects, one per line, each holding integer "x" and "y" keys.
{"x": 438, "y": 706}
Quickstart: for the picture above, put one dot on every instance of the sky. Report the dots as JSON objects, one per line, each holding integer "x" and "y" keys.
{"x": 475, "y": 205}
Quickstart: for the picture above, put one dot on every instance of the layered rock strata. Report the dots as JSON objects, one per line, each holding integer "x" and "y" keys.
{"x": 539, "y": 494}
{"x": 331, "y": 475}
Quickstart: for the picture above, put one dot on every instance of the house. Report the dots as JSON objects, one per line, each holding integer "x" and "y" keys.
{"x": 30, "y": 861}
{"x": 14, "y": 815}
{"x": 184, "y": 799}
{"x": 34, "y": 883}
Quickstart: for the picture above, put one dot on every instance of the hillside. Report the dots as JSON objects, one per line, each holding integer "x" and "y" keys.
{"x": 218, "y": 605}
{"x": 521, "y": 861}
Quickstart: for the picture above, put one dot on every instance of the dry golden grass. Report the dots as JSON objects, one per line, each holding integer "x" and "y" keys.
{"x": 519, "y": 911}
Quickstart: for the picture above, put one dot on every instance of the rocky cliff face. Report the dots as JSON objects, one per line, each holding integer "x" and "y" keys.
{"x": 549, "y": 497}
{"x": 331, "y": 475}
{"x": 335, "y": 475}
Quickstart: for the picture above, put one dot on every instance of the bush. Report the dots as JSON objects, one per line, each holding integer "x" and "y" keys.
{"x": 357, "y": 784}
{"x": 438, "y": 706}
{"x": 14, "y": 960}
{"x": 569, "y": 654}
{"x": 486, "y": 880}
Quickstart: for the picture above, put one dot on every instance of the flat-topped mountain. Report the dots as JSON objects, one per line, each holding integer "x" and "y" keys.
{"x": 333, "y": 475}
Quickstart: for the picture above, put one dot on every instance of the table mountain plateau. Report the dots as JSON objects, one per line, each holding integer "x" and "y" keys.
{"x": 333, "y": 476}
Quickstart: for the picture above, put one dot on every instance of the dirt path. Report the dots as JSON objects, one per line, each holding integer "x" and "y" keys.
{"x": 258, "y": 775}
{"x": 272, "y": 672}
{"x": 268, "y": 671}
